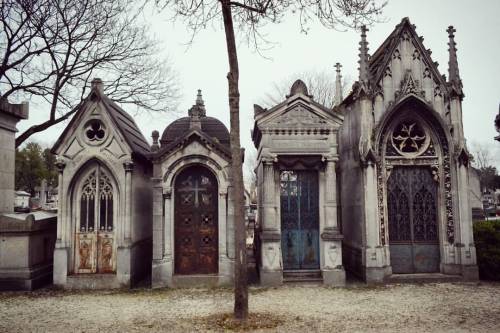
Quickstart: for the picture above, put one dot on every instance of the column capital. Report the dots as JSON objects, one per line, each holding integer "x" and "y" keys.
{"x": 167, "y": 193}
{"x": 329, "y": 158}
{"x": 269, "y": 159}
{"x": 128, "y": 166}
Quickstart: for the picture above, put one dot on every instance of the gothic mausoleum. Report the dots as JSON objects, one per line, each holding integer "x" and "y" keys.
{"x": 104, "y": 234}
{"x": 377, "y": 186}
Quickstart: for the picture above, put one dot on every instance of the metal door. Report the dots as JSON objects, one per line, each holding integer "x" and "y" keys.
{"x": 299, "y": 220}
{"x": 413, "y": 235}
{"x": 196, "y": 222}
{"x": 95, "y": 246}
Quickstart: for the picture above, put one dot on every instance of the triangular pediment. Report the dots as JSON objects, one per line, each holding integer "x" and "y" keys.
{"x": 405, "y": 45}
{"x": 122, "y": 134}
{"x": 74, "y": 140}
{"x": 300, "y": 114}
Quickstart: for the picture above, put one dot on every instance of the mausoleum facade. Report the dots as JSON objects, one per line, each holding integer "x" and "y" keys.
{"x": 378, "y": 185}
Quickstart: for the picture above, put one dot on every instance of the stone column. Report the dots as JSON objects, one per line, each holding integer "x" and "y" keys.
{"x": 62, "y": 250}
{"x": 271, "y": 272}
{"x": 124, "y": 255}
{"x": 331, "y": 222}
{"x": 158, "y": 222}
{"x": 129, "y": 167}
{"x": 331, "y": 240}
{"x": 226, "y": 247}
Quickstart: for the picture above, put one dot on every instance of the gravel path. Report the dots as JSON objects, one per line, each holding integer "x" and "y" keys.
{"x": 393, "y": 308}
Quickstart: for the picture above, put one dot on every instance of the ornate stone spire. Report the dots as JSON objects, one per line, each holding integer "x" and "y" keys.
{"x": 338, "y": 85}
{"x": 364, "y": 57}
{"x": 453, "y": 73}
{"x": 197, "y": 111}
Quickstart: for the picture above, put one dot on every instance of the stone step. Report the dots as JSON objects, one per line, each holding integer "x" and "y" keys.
{"x": 423, "y": 278}
{"x": 302, "y": 276}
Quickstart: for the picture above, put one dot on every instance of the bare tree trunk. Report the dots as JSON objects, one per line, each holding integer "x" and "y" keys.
{"x": 240, "y": 274}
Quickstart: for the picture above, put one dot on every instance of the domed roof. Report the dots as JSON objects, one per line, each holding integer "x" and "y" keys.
{"x": 197, "y": 119}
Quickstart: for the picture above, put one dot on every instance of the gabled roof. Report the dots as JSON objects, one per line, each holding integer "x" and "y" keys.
{"x": 185, "y": 138}
{"x": 382, "y": 56}
{"x": 122, "y": 122}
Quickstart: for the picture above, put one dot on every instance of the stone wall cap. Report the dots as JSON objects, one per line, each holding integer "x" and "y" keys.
{"x": 19, "y": 111}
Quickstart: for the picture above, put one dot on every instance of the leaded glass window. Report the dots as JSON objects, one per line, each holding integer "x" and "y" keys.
{"x": 96, "y": 202}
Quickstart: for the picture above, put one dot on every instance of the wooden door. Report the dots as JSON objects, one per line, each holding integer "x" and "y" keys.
{"x": 299, "y": 220}
{"x": 196, "y": 222}
{"x": 413, "y": 231}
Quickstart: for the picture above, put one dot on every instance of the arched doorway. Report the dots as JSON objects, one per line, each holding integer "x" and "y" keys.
{"x": 412, "y": 212}
{"x": 412, "y": 158}
{"x": 196, "y": 222}
{"x": 95, "y": 205}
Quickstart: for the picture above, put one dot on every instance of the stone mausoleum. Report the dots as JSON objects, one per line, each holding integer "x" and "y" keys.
{"x": 377, "y": 185}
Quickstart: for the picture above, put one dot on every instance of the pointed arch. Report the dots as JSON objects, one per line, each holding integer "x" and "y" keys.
{"x": 413, "y": 103}
{"x": 94, "y": 197}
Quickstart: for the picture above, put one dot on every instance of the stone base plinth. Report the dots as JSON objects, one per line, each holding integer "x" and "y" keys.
{"x": 271, "y": 278}
{"x": 334, "y": 277}
{"x": 376, "y": 275}
{"x": 470, "y": 273}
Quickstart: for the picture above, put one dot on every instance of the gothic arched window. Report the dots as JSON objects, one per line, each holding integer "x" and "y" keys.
{"x": 96, "y": 202}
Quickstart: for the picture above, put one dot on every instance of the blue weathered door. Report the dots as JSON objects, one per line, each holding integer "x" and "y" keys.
{"x": 299, "y": 220}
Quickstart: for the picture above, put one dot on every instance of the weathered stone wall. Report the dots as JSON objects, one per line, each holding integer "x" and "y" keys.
{"x": 352, "y": 191}
{"x": 26, "y": 250}
{"x": 10, "y": 114}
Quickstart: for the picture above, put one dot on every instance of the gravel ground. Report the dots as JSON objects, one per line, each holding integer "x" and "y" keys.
{"x": 446, "y": 307}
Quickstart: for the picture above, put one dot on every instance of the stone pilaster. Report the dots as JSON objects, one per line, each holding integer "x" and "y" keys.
{"x": 466, "y": 243}
{"x": 271, "y": 272}
{"x": 61, "y": 250}
{"x": 161, "y": 272}
{"x": 332, "y": 270}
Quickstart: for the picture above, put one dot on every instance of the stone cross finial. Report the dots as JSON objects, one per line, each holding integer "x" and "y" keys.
{"x": 97, "y": 84}
{"x": 197, "y": 111}
{"x": 338, "y": 85}
{"x": 155, "y": 146}
{"x": 199, "y": 98}
{"x": 453, "y": 73}
{"x": 363, "y": 57}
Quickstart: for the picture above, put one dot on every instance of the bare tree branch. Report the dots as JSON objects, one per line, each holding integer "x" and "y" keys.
{"x": 53, "y": 48}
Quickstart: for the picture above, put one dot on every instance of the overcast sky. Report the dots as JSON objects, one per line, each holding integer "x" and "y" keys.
{"x": 204, "y": 64}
